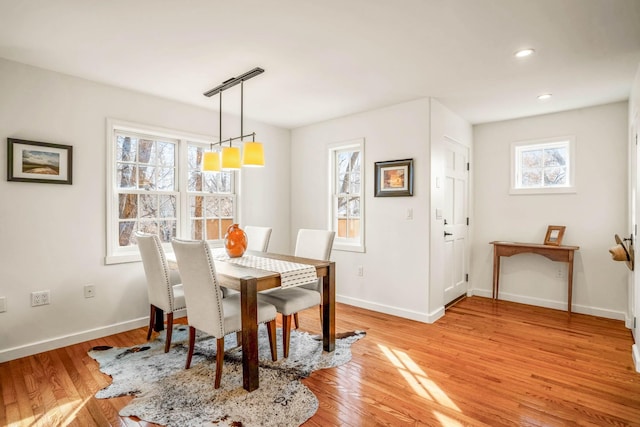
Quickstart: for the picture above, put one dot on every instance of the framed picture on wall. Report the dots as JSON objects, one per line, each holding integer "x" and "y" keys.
{"x": 394, "y": 178}
{"x": 31, "y": 161}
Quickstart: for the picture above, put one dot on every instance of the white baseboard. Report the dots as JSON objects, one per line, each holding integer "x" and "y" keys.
{"x": 635, "y": 352}
{"x": 558, "y": 305}
{"x": 65, "y": 340}
{"x": 628, "y": 321}
{"x": 75, "y": 338}
{"x": 394, "y": 311}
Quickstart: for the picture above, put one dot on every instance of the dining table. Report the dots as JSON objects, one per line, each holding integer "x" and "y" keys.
{"x": 249, "y": 280}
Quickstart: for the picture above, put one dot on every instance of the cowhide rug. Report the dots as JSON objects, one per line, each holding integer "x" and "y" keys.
{"x": 165, "y": 393}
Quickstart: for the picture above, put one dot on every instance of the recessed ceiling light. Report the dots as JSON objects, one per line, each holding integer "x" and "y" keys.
{"x": 523, "y": 52}
{"x": 544, "y": 96}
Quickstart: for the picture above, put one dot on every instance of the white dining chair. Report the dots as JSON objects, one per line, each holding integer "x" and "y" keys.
{"x": 163, "y": 295}
{"x": 314, "y": 244}
{"x": 207, "y": 310}
{"x": 257, "y": 237}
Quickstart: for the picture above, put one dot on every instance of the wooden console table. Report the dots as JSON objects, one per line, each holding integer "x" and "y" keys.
{"x": 554, "y": 253}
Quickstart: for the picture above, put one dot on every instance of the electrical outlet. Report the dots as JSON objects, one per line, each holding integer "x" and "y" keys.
{"x": 560, "y": 273}
{"x": 89, "y": 290}
{"x": 39, "y": 298}
{"x": 360, "y": 271}
{"x": 3, "y": 304}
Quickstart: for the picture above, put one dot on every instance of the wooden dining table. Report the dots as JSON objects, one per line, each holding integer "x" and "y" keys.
{"x": 249, "y": 281}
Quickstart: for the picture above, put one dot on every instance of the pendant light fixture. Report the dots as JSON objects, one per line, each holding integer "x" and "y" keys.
{"x": 231, "y": 158}
{"x": 252, "y": 152}
{"x": 211, "y": 159}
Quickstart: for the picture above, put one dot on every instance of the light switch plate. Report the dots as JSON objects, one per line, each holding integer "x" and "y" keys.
{"x": 3, "y": 304}
{"x": 409, "y": 214}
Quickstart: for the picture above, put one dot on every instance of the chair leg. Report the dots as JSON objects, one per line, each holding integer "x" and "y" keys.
{"x": 295, "y": 320}
{"x": 219, "y": 361}
{"x": 167, "y": 344}
{"x": 239, "y": 338}
{"x": 152, "y": 317}
{"x": 271, "y": 330}
{"x": 192, "y": 341}
{"x": 286, "y": 334}
{"x": 320, "y": 307}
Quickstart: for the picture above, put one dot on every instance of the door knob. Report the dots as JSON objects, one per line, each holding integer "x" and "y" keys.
{"x": 447, "y": 234}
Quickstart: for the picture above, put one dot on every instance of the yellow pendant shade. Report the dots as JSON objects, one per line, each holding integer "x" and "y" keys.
{"x": 231, "y": 158}
{"x": 253, "y": 154}
{"x": 211, "y": 161}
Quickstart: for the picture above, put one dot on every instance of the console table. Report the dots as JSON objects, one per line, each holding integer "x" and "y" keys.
{"x": 554, "y": 253}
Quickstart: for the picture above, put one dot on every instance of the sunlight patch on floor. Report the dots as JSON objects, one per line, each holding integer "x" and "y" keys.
{"x": 446, "y": 420}
{"x": 71, "y": 410}
{"x": 417, "y": 378}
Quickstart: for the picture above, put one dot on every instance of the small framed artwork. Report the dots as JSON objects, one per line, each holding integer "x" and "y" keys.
{"x": 31, "y": 161}
{"x": 394, "y": 178}
{"x": 554, "y": 235}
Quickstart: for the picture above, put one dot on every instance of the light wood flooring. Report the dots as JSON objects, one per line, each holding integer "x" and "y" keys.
{"x": 485, "y": 362}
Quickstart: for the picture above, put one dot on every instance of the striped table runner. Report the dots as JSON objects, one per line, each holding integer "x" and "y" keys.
{"x": 291, "y": 273}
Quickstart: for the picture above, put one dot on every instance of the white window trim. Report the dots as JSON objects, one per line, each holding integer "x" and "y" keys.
{"x": 115, "y": 254}
{"x": 571, "y": 188}
{"x": 342, "y": 244}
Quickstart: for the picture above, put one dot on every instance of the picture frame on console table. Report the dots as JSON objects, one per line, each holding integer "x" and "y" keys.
{"x": 554, "y": 236}
{"x": 31, "y": 161}
{"x": 394, "y": 178}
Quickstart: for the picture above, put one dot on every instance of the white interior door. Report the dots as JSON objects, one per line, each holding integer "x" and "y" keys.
{"x": 634, "y": 289}
{"x": 455, "y": 217}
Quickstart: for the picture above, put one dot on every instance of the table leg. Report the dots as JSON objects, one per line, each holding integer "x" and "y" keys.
{"x": 570, "y": 282}
{"x": 496, "y": 273}
{"x": 329, "y": 308}
{"x": 249, "y": 313}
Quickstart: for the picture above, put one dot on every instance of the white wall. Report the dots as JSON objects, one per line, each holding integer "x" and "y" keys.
{"x": 396, "y": 261}
{"x": 53, "y": 236}
{"x": 445, "y": 126}
{"x": 592, "y": 216}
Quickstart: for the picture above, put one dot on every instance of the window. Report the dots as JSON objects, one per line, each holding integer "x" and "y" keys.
{"x": 347, "y": 203}
{"x": 155, "y": 185}
{"x": 146, "y": 186}
{"x": 543, "y": 166}
{"x": 210, "y": 199}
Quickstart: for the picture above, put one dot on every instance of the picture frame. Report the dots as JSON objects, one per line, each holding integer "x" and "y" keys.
{"x": 43, "y": 162}
{"x": 394, "y": 178}
{"x": 554, "y": 236}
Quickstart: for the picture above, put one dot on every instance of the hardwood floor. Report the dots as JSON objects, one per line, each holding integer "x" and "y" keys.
{"x": 485, "y": 362}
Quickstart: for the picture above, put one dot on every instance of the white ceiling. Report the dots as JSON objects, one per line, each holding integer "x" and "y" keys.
{"x": 330, "y": 58}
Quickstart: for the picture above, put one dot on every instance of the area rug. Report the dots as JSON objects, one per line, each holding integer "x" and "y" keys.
{"x": 167, "y": 394}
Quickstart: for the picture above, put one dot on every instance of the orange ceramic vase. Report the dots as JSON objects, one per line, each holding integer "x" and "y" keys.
{"x": 235, "y": 241}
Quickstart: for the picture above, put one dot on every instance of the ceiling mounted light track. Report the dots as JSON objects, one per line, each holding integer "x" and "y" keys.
{"x": 230, "y": 157}
{"x": 234, "y": 81}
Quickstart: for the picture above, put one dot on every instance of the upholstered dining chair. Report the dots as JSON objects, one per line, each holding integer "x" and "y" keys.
{"x": 207, "y": 310}
{"x": 314, "y": 244}
{"x": 162, "y": 293}
{"x": 257, "y": 237}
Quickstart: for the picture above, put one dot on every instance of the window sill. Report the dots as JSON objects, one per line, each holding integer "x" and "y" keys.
{"x": 348, "y": 247}
{"x": 121, "y": 259}
{"x": 525, "y": 191}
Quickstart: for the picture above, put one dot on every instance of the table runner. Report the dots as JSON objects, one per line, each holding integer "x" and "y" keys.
{"x": 291, "y": 273}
